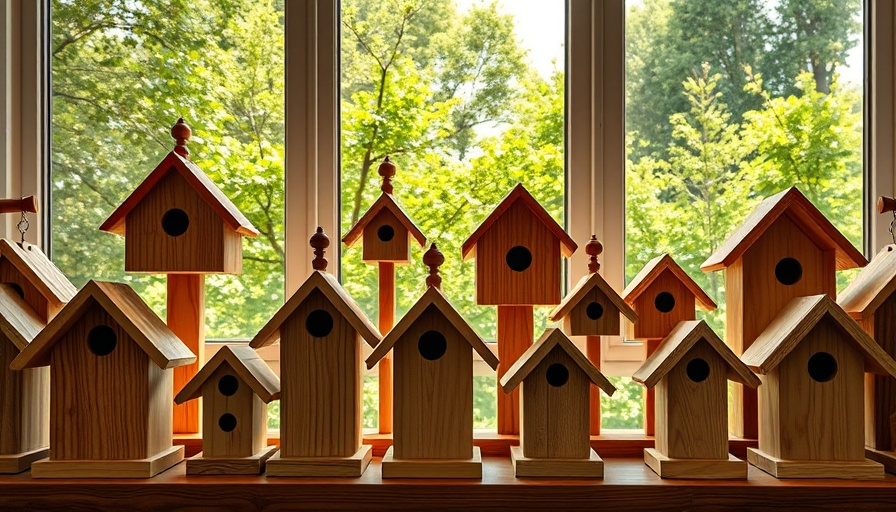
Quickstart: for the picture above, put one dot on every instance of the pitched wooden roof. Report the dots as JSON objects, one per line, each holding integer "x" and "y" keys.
{"x": 519, "y": 193}
{"x": 39, "y": 271}
{"x": 653, "y": 269}
{"x": 678, "y": 343}
{"x": 874, "y": 284}
{"x": 18, "y": 321}
{"x": 804, "y": 214}
{"x": 533, "y": 355}
{"x": 246, "y": 363}
{"x": 127, "y": 309}
{"x": 333, "y": 291}
{"x": 796, "y": 320}
{"x": 388, "y": 202}
{"x": 582, "y": 288}
{"x": 197, "y": 179}
{"x": 433, "y": 297}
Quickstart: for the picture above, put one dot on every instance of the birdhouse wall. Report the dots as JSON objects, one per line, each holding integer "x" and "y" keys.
{"x": 804, "y": 419}
{"x": 539, "y": 282}
{"x": 692, "y": 407}
{"x": 10, "y": 275}
{"x": 222, "y": 437}
{"x": 433, "y": 399}
{"x": 320, "y": 380}
{"x": 595, "y": 315}
{"x": 554, "y": 419}
{"x": 24, "y": 404}
{"x": 207, "y": 245}
{"x": 385, "y": 239}
{"x": 653, "y": 322}
{"x": 880, "y": 390}
{"x": 102, "y": 407}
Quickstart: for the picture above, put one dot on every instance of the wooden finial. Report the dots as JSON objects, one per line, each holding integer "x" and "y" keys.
{"x": 593, "y": 249}
{"x": 23, "y": 204}
{"x": 387, "y": 171}
{"x": 181, "y": 133}
{"x": 319, "y": 242}
{"x": 433, "y": 258}
{"x": 886, "y": 204}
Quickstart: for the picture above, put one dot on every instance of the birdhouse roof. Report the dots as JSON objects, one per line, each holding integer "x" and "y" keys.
{"x": 678, "y": 343}
{"x": 804, "y": 214}
{"x": 796, "y": 320}
{"x": 18, "y": 321}
{"x": 248, "y": 366}
{"x": 582, "y": 288}
{"x": 127, "y": 309}
{"x": 545, "y": 344}
{"x": 653, "y": 269}
{"x": 333, "y": 291}
{"x": 388, "y": 202}
{"x": 874, "y": 284}
{"x": 433, "y": 297}
{"x": 197, "y": 179}
{"x": 32, "y": 263}
{"x": 519, "y": 193}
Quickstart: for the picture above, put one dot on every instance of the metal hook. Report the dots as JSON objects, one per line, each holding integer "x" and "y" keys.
{"x": 892, "y": 226}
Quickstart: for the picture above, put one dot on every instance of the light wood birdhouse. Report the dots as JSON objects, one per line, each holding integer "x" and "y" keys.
{"x": 592, "y": 308}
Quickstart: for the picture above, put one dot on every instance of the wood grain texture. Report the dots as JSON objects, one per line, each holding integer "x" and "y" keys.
{"x": 701, "y": 469}
{"x": 874, "y": 285}
{"x": 252, "y": 465}
{"x": 186, "y": 319}
{"x": 525, "y": 467}
{"x": 393, "y": 467}
{"x": 19, "y": 324}
{"x": 24, "y": 405}
{"x": 143, "y": 468}
{"x": 886, "y": 458}
{"x": 880, "y": 398}
{"x": 849, "y": 470}
{"x": 578, "y": 323}
{"x": 249, "y": 367}
{"x": 27, "y": 266}
{"x": 652, "y": 323}
{"x": 592, "y": 351}
{"x": 396, "y": 249}
{"x": 386, "y": 202}
{"x": 251, "y": 414}
{"x": 31, "y": 295}
{"x": 650, "y": 398}
{"x": 352, "y": 466}
{"x": 515, "y": 334}
{"x": 652, "y": 271}
{"x": 11, "y": 464}
{"x": 386, "y": 322}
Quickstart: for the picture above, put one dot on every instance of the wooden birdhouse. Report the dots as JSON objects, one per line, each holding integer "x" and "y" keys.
{"x": 785, "y": 249}
{"x": 110, "y": 360}
{"x": 32, "y": 290}
{"x": 320, "y": 329}
{"x": 555, "y": 381}
{"x": 663, "y": 294}
{"x": 592, "y": 308}
{"x": 812, "y": 359}
{"x": 433, "y": 389}
{"x": 518, "y": 249}
{"x": 237, "y": 386}
{"x": 690, "y": 372}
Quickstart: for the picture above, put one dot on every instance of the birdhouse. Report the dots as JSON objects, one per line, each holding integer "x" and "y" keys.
{"x": 320, "y": 329}
{"x": 433, "y": 390}
{"x": 178, "y": 221}
{"x": 592, "y": 308}
{"x": 663, "y": 294}
{"x": 555, "y": 385}
{"x": 110, "y": 360}
{"x": 812, "y": 359}
{"x": 690, "y": 372}
{"x": 237, "y": 386}
{"x": 518, "y": 249}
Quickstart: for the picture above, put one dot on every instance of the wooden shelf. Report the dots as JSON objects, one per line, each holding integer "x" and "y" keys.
{"x": 628, "y": 485}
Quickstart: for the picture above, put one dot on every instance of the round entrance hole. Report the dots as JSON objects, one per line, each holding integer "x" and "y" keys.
{"x": 319, "y": 323}
{"x": 227, "y": 422}
{"x": 822, "y": 367}
{"x": 17, "y": 289}
{"x": 385, "y": 233}
{"x": 101, "y": 340}
{"x": 697, "y": 369}
{"x": 518, "y": 258}
{"x": 432, "y": 345}
{"x": 557, "y": 375}
{"x": 175, "y": 222}
{"x": 228, "y": 385}
{"x": 664, "y": 302}
{"x": 788, "y": 271}
{"x": 594, "y": 310}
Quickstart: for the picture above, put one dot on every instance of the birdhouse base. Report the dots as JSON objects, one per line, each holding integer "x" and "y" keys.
{"x": 137, "y": 468}
{"x": 254, "y": 465}
{"x": 592, "y": 467}
{"x": 432, "y": 468}
{"x": 703, "y": 469}
{"x": 888, "y": 459}
{"x": 845, "y": 470}
{"x": 16, "y": 463}
{"x": 353, "y": 466}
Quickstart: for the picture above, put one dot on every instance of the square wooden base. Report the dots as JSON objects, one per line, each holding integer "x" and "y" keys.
{"x": 353, "y": 466}
{"x": 703, "y": 469}
{"x": 592, "y": 467}
{"x": 138, "y": 468}
{"x": 254, "y": 465}
{"x": 845, "y": 470}
{"x": 432, "y": 468}
{"x": 888, "y": 459}
{"x": 16, "y": 463}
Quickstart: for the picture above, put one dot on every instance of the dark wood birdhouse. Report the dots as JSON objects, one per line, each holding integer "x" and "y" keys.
{"x": 690, "y": 372}
{"x": 812, "y": 358}
{"x": 555, "y": 385}
{"x": 111, "y": 383}
{"x": 237, "y": 386}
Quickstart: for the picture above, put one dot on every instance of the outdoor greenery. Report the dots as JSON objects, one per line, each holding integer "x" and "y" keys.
{"x": 727, "y": 101}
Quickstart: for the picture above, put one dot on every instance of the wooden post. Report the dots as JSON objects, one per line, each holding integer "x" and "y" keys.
{"x": 592, "y": 350}
{"x": 186, "y": 319}
{"x": 515, "y": 335}
{"x": 649, "y": 395}
{"x": 386, "y": 322}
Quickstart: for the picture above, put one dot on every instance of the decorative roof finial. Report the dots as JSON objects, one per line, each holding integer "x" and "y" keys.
{"x": 593, "y": 248}
{"x": 387, "y": 171}
{"x": 433, "y": 258}
{"x": 319, "y": 242}
{"x": 181, "y": 133}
